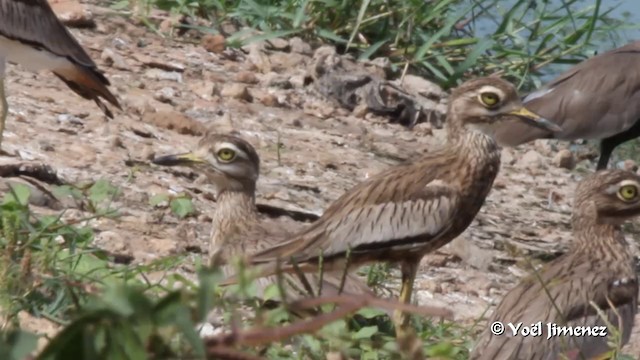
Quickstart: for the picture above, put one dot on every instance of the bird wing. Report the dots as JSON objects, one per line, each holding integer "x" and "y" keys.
{"x": 263, "y": 234}
{"x": 589, "y": 101}
{"x": 572, "y": 284}
{"x": 393, "y": 209}
{"x": 33, "y": 22}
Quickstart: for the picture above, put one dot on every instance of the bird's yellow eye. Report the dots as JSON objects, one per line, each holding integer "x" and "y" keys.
{"x": 226, "y": 154}
{"x": 628, "y": 192}
{"x": 489, "y": 99}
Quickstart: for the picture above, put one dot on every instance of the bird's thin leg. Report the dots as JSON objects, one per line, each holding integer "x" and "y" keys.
{"x": 3, "y": 101}
{"x": 401, "y": 320}
{"x": 607, "y": 145}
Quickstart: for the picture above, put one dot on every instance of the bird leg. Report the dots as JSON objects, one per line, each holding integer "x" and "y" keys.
{"x": 607, "y": 145}
{"x": 3, "y": 101}
{"x": 409, "y": 270}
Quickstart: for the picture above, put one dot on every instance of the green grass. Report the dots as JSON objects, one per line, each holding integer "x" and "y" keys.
{"x": 446, "y": 41}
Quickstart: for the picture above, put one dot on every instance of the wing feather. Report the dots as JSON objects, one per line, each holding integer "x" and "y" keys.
{"x": 33, "y": 22}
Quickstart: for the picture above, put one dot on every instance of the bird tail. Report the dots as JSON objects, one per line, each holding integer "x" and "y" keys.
{"x": 89, "y": 83}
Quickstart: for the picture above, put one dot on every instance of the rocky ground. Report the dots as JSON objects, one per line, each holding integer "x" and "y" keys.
{"x": 174, "y": 89}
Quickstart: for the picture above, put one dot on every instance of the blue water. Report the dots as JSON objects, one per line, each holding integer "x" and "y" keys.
{"x": 627, "y": 11}
{"x": 630, "y": 11}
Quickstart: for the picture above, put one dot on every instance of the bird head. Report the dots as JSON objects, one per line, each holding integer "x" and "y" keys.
{"x": 483, "y": 104}
{"x": 229, "y": 162}
{"x": 612, "y": 196}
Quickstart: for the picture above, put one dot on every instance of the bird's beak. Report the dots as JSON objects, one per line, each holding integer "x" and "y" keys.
{"x": 535, "y": 120}
{"x": 178, "y": 159}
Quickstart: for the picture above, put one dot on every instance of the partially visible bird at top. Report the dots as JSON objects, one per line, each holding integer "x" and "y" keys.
{"x": 32, "y": 36}
{"x": 232, "y": 165}
{"x": 599, "y": 269}
{"x": 409, "y": 210}
{"x": 598, "y": 98}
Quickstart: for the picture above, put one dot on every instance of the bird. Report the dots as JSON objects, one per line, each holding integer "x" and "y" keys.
{"x": 32, "y": 36}
{"x": 411, "y": 209}
{"x": 598, "y": 98}
{"x": 232, "y": 165}
{"x": 599, "y": 269}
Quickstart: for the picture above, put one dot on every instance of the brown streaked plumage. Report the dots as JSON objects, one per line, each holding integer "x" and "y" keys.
{"x": 409, "y": 210}
{"x": 233, "y": 166}
{"x": 598, "y": 268}
{"x": 32, "y": 35}
{"x": 596, "y": 99}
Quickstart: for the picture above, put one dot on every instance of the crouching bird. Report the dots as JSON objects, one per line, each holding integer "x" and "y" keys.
{"x": 598, "y": 272}
{"x": 238, "y": 230}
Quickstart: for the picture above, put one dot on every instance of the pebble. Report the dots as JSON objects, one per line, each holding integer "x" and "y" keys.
{"x": 564, "y": 159}
{"x": 236, "y": 91}
{"x": 299, "y": 46}
{"x": 246, "y": 77}
{"x": 213, "y": 43}
{"x": 165, "y": 95}
{"x": 531, "y": 159}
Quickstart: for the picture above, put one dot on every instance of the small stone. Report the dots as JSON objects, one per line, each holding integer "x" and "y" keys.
{"x": 165, "y": 95}
{"x": 246, "y": 77}
{"x": 273, "y": 79}
{"x": 298, "y": 81}
{"x": 157, "y": 74}
{"x": 531, "y": 159}
{"x": 236, "y": 91}
{"x": 113, "y": 59}
{"x": 112, "y": 242}
{"x": 360, "y": 111}
{"x": 270, "y": 100}
{"x": 73, "y": 14}
{"x": 174, "y": 120}
{"x": 147, "y": 153}
{"x": 213, "y": 43}
{"x": 278, "y": 44}
{"x": 564, "y": 159}
{"x": 299, "y": 46}
{"x": 258, "y": 59}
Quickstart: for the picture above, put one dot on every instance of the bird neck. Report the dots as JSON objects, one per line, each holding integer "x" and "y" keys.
{"x": 471, "y": 141}
{"x": 234, "y": 210}
{"x": 463, "y": 133}
{"x": 234, "y": 206}
{"x": 593, "y": 236}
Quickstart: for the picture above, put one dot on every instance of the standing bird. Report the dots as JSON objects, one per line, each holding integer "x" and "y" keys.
{"x": 403, "y": 213}
{"x": 596, "y": 99}
{"x": 32, "y": 36}
{"x": 599, "y": 269}
{"x": 232, "y": 165}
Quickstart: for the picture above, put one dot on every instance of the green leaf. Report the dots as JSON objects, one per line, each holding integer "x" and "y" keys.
{"x": 365, "y": 333}
{"x": 66, "y": 191}
{"x": 271, "y": 292}
{"x": 182, "y": 207}
{"x": 17, "y": 344}
{"x": 370, "y": 313}
{"x": 18, "y": 193}
{"x": 102, "y": 190}
{"x": 158, "y": 199}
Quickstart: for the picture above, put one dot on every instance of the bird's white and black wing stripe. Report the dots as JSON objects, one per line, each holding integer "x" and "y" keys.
{"x": 33, "y": 22}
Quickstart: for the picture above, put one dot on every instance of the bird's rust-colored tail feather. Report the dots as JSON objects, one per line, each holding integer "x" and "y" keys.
{"x": 89, "y": 83}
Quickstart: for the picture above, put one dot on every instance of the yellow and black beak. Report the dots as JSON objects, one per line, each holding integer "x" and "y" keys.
{"x": 536, "y": 120}
{"x": 185, "y": 159}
